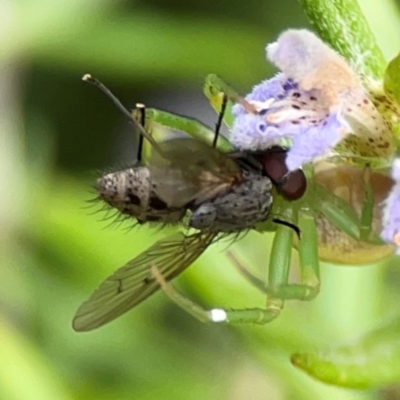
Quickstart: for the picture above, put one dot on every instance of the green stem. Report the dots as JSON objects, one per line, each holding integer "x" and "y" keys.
{"x": 342, "y": 24}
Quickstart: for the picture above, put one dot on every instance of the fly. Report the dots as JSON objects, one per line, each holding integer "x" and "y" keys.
{"x": 184, "y": 181}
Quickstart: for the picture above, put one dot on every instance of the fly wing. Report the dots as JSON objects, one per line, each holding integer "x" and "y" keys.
{"x": 190, "y": 170}
{"x": 133, "y": 283}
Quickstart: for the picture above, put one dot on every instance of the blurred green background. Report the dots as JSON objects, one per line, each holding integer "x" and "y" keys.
{"x": 55, "y": 130}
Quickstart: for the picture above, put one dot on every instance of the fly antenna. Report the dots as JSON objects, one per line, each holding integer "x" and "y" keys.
{"x": 88, "y": 78}
{"x": 220, "y": 119}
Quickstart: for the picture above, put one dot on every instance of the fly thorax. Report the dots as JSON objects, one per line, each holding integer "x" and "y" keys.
{"x": 243, "y": 206}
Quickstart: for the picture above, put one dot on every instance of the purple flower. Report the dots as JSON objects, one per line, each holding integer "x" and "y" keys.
{"x": 314, "y": 142}
{"x": 391, "y": 213}
{"x": 315, "y": 102}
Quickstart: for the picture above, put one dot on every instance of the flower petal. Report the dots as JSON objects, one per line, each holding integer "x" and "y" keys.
{"x": 306, "y": 59}
{"x": 314, "y": 143}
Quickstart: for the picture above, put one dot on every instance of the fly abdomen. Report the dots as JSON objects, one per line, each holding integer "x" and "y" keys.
{"x": 241, "y": 208}
{"x": 131, "y": 192}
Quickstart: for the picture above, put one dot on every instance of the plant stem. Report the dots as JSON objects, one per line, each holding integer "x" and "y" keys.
{"x": 342, "y": 24}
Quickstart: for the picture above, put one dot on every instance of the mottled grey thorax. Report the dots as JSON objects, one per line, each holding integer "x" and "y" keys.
{"x": 239, "y": 209}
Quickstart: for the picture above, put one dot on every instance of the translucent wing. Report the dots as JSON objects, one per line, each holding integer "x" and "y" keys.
{"x": 133, "y": 283}
{"x": 190, "y": 170}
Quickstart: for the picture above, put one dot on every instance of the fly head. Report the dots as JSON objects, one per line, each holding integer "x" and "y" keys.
{"x": 291, "y": 185}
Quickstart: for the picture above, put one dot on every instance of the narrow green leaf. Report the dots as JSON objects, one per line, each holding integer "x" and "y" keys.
{"x": 371, "y": 361}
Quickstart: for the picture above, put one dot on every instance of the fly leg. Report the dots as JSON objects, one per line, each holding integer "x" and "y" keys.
{"x": 340, "y": 214}
{"x": 215, "y": 315}
{"x": 277, "y": 288}
{"x": 161, "y": 123}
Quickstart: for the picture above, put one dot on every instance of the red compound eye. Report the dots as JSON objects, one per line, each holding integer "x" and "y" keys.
{"x": 291, "y": 186}
{"x": 295, "y": 185}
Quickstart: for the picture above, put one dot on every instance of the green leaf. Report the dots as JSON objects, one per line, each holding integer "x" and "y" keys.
{"x": 371, "y": 361}
{"x": 391, "y": 80}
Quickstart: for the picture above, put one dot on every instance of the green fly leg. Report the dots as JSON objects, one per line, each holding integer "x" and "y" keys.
{"x": 279, "y": 288}
{"x": 254, "y": 280}
{"x": 188, "y": 305}
{"x": 216, "y": 315}
{"x": 336, "y": 211}
{"x": 162, "y": 124}
{"x": 340, "y": 214}
{"x": 367, "y": 206}
{"x": 279, "y": 266}
{"x": 215, "y": 89}
{"x": 308, "y": 254}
